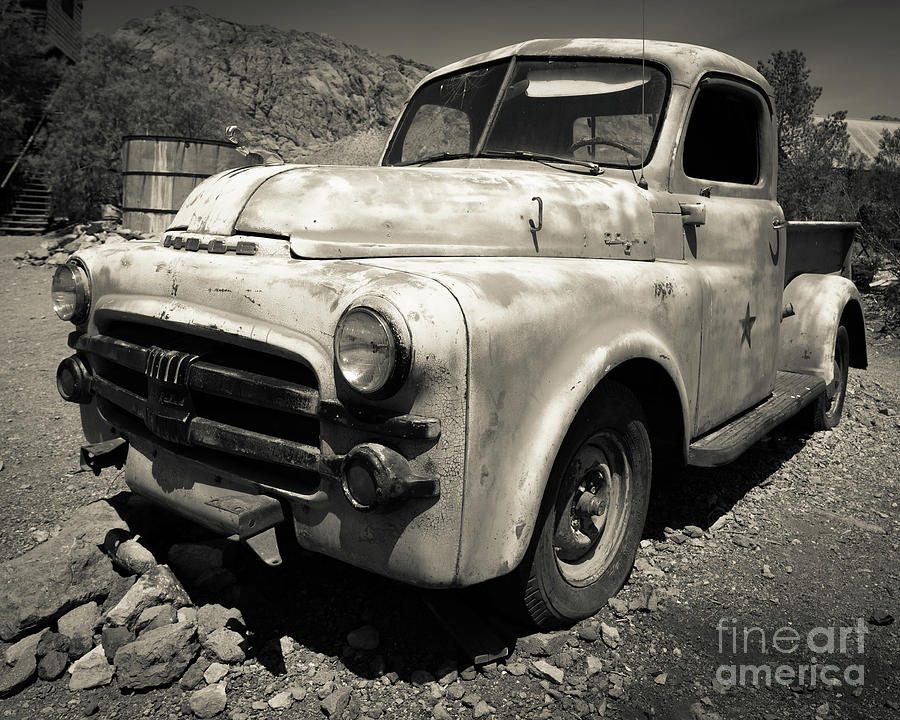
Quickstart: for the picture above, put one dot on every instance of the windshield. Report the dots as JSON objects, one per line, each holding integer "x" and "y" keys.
{"x": 606, "y": 112}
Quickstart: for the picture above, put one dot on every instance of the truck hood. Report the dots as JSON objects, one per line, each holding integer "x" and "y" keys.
{"x": 357, "y": 212}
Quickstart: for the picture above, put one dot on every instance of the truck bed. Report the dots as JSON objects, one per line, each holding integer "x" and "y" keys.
{"x": 818, "y": 247}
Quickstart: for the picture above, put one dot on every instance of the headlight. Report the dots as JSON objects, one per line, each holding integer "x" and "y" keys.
{"x": 372, "y": 348}
{"x": 71, "y": 291}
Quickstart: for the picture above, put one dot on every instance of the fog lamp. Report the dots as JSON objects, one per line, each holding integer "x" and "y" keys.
{"x": 360, "y": 486}
{"x": 373, "y": 475}
{"x": 73, "y": 380}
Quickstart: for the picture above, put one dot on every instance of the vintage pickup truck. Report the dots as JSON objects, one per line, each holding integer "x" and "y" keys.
{"x": 569, "y": 273}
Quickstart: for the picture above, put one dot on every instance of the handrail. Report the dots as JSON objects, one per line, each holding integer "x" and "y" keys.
{"x": 24, "y": 150}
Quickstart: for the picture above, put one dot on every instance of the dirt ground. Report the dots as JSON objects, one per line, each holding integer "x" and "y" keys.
{"x": 801, "y": 532}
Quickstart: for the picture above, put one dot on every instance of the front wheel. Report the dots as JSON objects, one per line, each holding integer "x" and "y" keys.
{"x": 593, "y": 514}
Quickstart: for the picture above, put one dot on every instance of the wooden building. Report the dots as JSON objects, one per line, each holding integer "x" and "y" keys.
{"x": 60, "y": 21}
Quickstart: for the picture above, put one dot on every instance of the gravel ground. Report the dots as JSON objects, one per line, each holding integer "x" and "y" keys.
{"x": 801, "y": 532}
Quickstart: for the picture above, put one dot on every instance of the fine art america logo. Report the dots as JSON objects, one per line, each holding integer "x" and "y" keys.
{"x": 820, "y": 656}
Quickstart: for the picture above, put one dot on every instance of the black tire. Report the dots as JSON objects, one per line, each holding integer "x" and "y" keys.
{"x": 824, "y": 413}
{"x": 584, "y": 544}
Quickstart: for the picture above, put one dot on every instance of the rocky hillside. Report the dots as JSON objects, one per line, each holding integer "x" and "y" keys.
{"x": 310, "y": 96}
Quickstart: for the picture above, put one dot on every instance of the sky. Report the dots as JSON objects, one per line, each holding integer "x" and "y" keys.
{"x": 852, "y": 47}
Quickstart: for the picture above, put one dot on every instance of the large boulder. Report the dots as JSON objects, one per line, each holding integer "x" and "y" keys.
{"x": 158, "y": 657}
{"x": 157, "y": 587}
{"x": 66, "y": 571}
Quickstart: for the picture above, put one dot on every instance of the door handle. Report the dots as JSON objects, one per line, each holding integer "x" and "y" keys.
{"x": 693, "y": 213}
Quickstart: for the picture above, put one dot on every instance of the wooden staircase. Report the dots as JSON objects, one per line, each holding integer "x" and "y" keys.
{"x": 30, "y": 212}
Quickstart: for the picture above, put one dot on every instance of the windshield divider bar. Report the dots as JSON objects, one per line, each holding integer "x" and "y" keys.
{"x": 498, "y": 101}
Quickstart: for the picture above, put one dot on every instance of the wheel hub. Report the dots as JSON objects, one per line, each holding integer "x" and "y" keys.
{"x": 590, "y": 506}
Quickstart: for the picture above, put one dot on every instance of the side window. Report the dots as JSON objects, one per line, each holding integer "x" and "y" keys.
{"x": 722, "y": 142}
{"x": 436, "y": 129}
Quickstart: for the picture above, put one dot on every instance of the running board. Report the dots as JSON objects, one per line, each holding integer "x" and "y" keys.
{"x": 793, "y": 392}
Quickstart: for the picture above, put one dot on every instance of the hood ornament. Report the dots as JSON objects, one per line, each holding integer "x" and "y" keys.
{"x": 255, "y": 153}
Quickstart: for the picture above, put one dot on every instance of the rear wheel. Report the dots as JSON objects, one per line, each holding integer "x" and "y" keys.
{"x": 825, "y": 412}
{"x": 593, "y": 515}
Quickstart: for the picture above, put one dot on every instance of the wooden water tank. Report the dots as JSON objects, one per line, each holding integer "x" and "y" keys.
{"x": 159, "y": 172}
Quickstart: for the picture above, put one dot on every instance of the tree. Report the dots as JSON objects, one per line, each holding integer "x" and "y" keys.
{"x": 795, "y": 98}
{"x": 888, "y": 157}
{"x": 27, "y": 76}
{"x": 113, "y": 91}
{"x": 812, "y": 156}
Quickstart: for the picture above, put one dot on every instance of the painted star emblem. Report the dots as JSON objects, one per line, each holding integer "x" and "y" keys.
{"x": 747, "y": 326}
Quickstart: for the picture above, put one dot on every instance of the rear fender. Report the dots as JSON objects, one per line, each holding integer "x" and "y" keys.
{"x": 820, "y": 303}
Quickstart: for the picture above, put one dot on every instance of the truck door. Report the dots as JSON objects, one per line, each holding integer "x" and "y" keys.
{"x": 723, "y": 176}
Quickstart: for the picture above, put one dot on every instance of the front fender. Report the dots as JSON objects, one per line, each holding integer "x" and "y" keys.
{"x": 820, "y": 304}
{"x": 542, "y": 334}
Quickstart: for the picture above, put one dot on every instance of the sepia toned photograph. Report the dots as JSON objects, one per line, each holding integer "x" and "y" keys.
{"x": 449, "y": 360}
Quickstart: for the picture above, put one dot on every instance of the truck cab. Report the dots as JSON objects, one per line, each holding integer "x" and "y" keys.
{"x": 569, "y": 273}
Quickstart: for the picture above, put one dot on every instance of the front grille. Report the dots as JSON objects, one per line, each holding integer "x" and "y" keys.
{"x": 214, "y": 394}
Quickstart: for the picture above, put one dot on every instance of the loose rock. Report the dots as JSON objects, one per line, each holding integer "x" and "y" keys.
{"x": 551, "y": 672}
{"x": 225, "y": 644}
{"x": 212, "y": 617}
{"x": 421, "y": 677}
{"x": 154, "y": 617}
{"x": 157, "y": 657}
{"x": 215, "y": 672}
{"x": 543, "y": 644}
{"x": 195, "y": 674}
{"x": 281, "y": 701}
{"x": 52, "y": 641}
{"x": 20, "y": 666}
{"x": 208, "y": 701}
{"x": 132, "y": 557}
{"x": 191, "y": 560}
{"x": 363, "y": 638}
{"x": 91, "y": 670}
{"x": 80, "y": 622}
{"x": 336, "y": 702}
{"x": 610, "y": 635}
{"x": 517, "y": 669}
{"x": 157, "y": 587}
{"x": 52, "y": 665}
{"x": 113, "y": 638}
